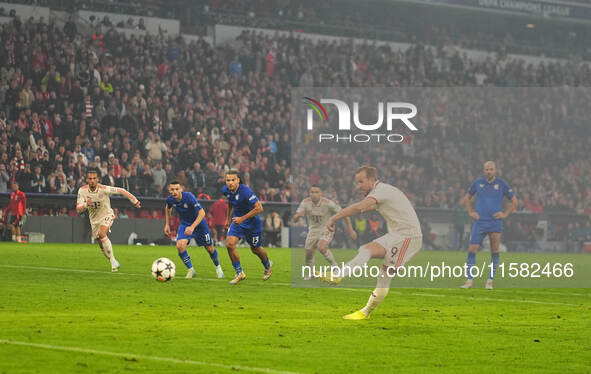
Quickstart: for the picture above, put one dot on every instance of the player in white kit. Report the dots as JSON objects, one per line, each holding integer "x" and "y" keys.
{"x": 403, "y": 240}
{"x": 318, "y": 211}
{"x": 96, "y": 198}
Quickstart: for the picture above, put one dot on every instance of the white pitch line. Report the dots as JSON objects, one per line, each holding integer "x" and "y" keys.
{"x": 88, "y": 271}
{"x": 68, "y": 270}
{"x": 493, "y": 299}
{"x": 515, "y": 300}
{"x": 289, "y": 285}
{"x": 546, "y": 292}
{"x": 146, "y": 357}
{"x": 427, "y": 294}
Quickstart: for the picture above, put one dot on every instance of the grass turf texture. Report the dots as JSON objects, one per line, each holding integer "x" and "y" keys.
{"x": 92, "y": 321}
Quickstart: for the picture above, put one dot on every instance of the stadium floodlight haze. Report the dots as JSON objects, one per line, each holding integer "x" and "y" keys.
{"x": 423, "y": 114}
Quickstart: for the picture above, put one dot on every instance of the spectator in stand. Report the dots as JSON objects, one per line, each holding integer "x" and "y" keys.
{"x": 38, "y": 183}
{"x": 135, "y": 183}
{"x": 52, "y": 79}
{"x": 235, "y": 67}
{"x": 123, "y": 181}
{"x": 26, "y": 96}
{"x": 211, "y": 179}
{"x": 109, "y": 179}
{"x": 158, "y": 177}
{"x": 182, "y": 178}
{"x": 4, "y": 179}
{"x": 272, "y": 228}
{"x": 22, "y": 175}
{"x": 197, "y": 178}
{"x": 72, "y": 188}
{"x": 106, "y": 86}
{"x": 155, "y": 148}
{"x": 70, "y": 29}
{"x": 61, "y": 183}
{"x": 116, "y": 167}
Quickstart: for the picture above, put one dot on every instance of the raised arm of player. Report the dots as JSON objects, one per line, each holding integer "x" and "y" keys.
{"x": 257, "y": 209}
{"x": 364, "y": 205}
{"x": 508, "y": 211}
{"x": 122, "y": 191}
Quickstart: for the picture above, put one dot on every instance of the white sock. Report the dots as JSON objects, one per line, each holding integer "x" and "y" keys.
{"x": 330, "y": 258}
{"x": 107, "y": 249}
{"x": 358, "y": 261}
{"x": 310, "y": 257}
{"x": 374, "y": 300}
{"x": 378, "y": 294}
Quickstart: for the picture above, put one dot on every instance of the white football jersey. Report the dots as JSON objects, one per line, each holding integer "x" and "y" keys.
{"x": 101, "y": 201}
{"x": 396, "y": 209}
{"x": 318, "y": 214}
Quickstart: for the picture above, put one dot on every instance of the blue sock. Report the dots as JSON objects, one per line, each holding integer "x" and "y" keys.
{"x": 186, "y": 259}
{"x": 237, "y": 266}
{"x": 266, "y": 263}
{"x": 470, "y": 261}
{"x": 494, "y": 259}
{"x": 214, "y": 257}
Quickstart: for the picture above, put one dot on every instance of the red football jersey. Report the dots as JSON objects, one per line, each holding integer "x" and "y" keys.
{"x": 18, "y": 203}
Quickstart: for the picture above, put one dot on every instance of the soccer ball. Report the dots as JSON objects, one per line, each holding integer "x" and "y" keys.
{"x": 163, "y": 269}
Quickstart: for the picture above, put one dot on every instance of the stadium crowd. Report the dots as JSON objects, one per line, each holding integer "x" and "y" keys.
{"x": 407, "y": 23}
{"x": 149, "y": 109}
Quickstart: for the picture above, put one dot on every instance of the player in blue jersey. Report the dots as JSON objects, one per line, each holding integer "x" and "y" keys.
{"x": 244, "y": 222}
{"x": 193, "y": 225}
{"x": 489, "y": 216}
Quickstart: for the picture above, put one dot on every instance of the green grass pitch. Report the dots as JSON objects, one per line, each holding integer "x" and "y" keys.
{"x": 62, "y": 311}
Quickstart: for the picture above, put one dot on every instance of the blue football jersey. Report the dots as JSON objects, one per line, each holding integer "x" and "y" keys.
{"x": 188, "y": 208}
{"x": 489, "y": 198}
{"x": 242, "y": 202}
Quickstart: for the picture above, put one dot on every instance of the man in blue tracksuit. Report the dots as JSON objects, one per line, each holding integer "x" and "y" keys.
{"x": 490, "y": 192}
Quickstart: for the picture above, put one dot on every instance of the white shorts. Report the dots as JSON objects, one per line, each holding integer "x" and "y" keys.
{"x": 105, "y": 221}
{"x": 399, "y": 249}
{"x": 313, "y": 238}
